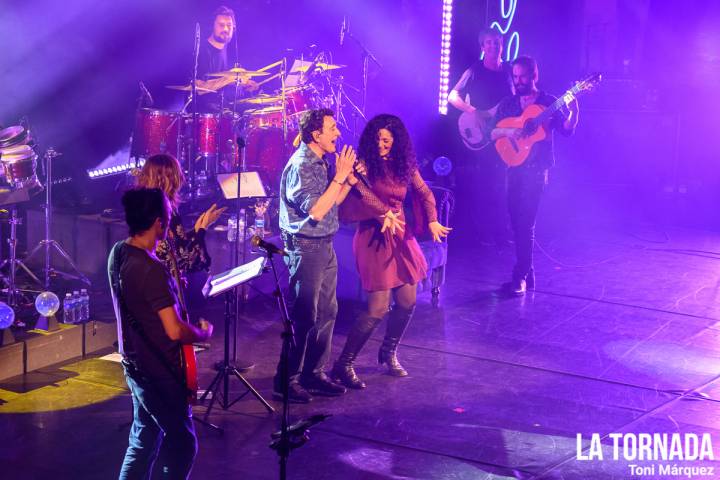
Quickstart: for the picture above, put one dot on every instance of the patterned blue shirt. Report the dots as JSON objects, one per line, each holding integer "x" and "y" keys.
{"x": 304, "y": 179}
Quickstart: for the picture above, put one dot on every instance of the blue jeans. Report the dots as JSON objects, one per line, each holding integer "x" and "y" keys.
{"x": 162, "y": 425}
{"x": 313, "y": 284}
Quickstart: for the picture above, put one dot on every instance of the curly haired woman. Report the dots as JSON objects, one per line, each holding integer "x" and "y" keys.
{"x": 388, "y": 257}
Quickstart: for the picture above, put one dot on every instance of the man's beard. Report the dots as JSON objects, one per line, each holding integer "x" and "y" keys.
{"x": 522, "y": 89}
{"x": 222, "y": 39}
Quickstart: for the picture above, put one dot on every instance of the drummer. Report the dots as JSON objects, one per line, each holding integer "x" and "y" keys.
{"x": 214, "y": 57}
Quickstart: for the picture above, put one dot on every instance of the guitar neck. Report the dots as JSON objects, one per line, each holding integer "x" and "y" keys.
{"x": 557, "y": 105}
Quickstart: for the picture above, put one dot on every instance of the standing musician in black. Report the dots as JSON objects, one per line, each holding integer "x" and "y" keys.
{"x": 482, "y": 177}
{"x": 150, "y": 333}
{"x": 527, "y": 181}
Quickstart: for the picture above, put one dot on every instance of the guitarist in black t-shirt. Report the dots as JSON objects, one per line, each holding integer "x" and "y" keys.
{"x": 481, "y": 177}
{"x": 151, "y": 334}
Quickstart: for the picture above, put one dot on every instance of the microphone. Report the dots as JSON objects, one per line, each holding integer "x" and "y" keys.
{"x": 267, "y": 246}
{"x": 343, "y": 30}
{"x": 146, "y": 92}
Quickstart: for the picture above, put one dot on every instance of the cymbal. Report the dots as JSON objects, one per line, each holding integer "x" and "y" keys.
{"x": 239, "y": 72}
{"x": 320, "y": 65}
{"x": 262, "y": 99}
{"x": 201, "y": 87}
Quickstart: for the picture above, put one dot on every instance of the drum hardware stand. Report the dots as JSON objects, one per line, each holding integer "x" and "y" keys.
{"x": 13, "y": 293}
{"x": 48, "y": 243}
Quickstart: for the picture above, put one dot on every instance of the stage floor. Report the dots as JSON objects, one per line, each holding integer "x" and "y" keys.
{"x": 621, "y": 336}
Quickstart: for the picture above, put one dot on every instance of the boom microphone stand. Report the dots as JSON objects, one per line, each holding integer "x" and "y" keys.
{"x": 289, "y": 437}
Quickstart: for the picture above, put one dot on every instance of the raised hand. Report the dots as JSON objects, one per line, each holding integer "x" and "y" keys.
{"x": 344, "y": 162}
{"x": 209, "y": 217}
{"x": 438, "y": 231}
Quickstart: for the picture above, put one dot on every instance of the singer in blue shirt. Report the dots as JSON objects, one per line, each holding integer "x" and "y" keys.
{"x": 310, "y": 192}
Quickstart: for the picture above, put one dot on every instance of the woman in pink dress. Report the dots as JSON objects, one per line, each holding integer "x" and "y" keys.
{"x": 388, "y": 257}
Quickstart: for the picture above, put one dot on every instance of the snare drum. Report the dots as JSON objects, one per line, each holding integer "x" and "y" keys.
{"x": 268, "y": 117}
{"x": 156, "y": 131}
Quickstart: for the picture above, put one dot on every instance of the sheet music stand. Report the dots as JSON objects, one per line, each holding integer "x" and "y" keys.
{"x": 226, "y": 282}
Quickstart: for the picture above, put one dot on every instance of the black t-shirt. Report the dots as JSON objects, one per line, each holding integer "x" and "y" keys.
{"x": 211, "y": 59}
{"x": 146, "y": 288}
{"x": 485, "y": 87}
{"x": 541, "y": 155}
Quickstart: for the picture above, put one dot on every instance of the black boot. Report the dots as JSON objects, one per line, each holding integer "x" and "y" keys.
{"x": 398, "y": 320}
{"x": 343, "y": 370}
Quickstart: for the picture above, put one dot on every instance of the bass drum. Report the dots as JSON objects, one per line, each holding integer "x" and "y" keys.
{"x": 156, "y": 131}
{"x": 267, "y": 152}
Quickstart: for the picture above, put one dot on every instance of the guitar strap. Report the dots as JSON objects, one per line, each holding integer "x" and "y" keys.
{"x": 124, "y": 314}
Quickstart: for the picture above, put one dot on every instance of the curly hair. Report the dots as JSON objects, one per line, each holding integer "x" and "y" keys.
{"x": 163, "y": 171}
{"x": 402, "y": 162}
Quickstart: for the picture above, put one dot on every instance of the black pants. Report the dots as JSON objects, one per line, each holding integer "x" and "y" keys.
{"x": 525, "y": 187}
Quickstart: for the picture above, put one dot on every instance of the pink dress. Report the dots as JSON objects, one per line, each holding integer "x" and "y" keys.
{"x": 385, "y": 260}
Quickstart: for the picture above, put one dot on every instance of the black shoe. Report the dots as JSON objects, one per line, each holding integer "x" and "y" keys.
{"x": 296, "y": 394}
{"x": 322, "y": 385}
{"x": 516, "y": 288}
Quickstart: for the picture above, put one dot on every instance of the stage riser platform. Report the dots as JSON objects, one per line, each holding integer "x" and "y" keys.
{"x": 34, "y": 350}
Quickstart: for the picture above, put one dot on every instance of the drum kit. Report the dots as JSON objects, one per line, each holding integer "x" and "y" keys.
{"x": 19, "y": 158}
{"x": 206, "y": 144}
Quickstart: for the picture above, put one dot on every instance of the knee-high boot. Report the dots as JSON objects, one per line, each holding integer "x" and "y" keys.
{"x": 398, "y": 320}
{"x": 343, "y": 370}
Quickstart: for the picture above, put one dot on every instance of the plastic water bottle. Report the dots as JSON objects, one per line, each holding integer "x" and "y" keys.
{"x": 84, "y": 305}
{"x": 232, "y": 228}
{"x": 68, "y": 310}
{"x": 260, "y": 226}
{"x": 77, "y": 307}
{"x": 241, "y": 224}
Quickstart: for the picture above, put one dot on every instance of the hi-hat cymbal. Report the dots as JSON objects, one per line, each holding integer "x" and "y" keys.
{"x": 318, "y": 66}
{"x": 239, "y": 72}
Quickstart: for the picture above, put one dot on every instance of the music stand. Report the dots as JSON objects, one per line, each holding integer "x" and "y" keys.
{"x": 226, "y": 282}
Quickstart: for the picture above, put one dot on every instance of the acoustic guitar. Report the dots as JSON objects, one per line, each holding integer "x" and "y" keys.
{"x": 534, "y": 124}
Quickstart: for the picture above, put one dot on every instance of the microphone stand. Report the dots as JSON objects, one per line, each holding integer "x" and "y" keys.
{"x": 367, "y": 56}
{"x": 193, "y": 137}
{"x": 226, "y": 368}
{"x": 284, "y": 445}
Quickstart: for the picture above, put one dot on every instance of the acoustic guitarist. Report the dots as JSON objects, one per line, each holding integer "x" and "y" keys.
{"x": 151, "y": 333}
{"x": 481, "y": 177}
{"x": 527, "y": 181}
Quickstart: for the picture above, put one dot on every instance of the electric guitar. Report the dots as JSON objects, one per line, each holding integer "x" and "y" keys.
{"x": 189, "y": 362}
{"x": 533, "y": 122}
{"x": 473, "y": 128}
